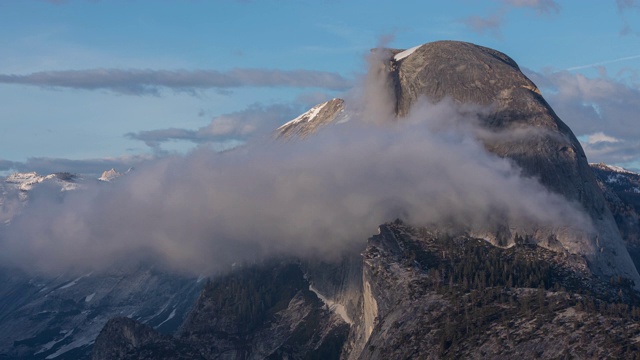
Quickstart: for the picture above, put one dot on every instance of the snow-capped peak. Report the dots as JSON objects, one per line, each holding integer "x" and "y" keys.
{"x": 109, "y": 175}
{"x": 25, "y": 181}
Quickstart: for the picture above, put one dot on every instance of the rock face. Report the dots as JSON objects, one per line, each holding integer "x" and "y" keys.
{"x": 434, "y": 297}
{"x": 550, "y": 152}
{"x": 525, "y": 130}
{"x": 260, "y": 312}
{"x": 60, "y": 318}
{"x": 317, "y": 117}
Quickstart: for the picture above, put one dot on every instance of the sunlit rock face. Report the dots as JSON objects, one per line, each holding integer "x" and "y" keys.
{"x": 318, "y": 116}
{"x": 524, "y": 129}
{"x": 514, "y": 122}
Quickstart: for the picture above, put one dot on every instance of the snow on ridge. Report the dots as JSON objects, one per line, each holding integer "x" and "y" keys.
{"x": 401, "y": 55}
{"x": 26, "y": 181}
{"x": 619, "y": 169}
{"x": 307, "y": 116}
{"x": 613, "y": 168}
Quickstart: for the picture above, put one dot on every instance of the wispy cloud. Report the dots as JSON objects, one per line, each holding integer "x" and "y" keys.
{"x": 492, "y": 24}
{"x": 540, "y": 6}
{"x": 239, "y": 125}
{"x": 605, "y": 62}
{"x": 624, "y": 5}
{"x": 143, "y": 82}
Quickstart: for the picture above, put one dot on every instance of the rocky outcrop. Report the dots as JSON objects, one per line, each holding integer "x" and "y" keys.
{"x": 41, "y": 317}
{"x": 258, "y": 312}
{"x": 317, "y": 117}
{"x": 124, "y": 338}
{"x": 458, "y": 297}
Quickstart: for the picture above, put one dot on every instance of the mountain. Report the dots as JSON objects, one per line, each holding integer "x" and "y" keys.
{"x": 15, "y": 188}
{"x": 430, "y": 292}
{"x": 525, "y": 130}
{"x": 111, "y": 174}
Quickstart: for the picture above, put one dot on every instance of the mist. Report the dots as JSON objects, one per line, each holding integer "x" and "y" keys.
{"x": 205, "y": 211}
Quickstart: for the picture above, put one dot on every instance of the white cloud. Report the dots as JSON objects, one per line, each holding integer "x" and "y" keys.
{"x": 600, "y": 137}
{"x": 602, "y": 111}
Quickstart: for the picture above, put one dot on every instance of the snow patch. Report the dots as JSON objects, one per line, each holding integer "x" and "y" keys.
{"x": 307, "y": 116}
{"x": 171, "y": 316}
{"x": 89, "y": 297}
{"x": 70, "y": 284}
{"x": 48, "y": 346}
{"x": 74, "y": 282}
{"x": 75, "y": 344}
{"x": 338, "y": 309}
{"x": 401, "y": 55}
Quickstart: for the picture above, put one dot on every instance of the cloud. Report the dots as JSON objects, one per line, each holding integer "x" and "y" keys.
{"x": 600, "y": 137}
{"x": 203, "y": 211}
{"x": 591, "y": 106}
{"x": 605, "y": 62}
{"x": 255, "y": 120}
{"x": 145, "y": 82}
{"x": 6, "y": 165}
{"x": 624, "y": 5}
{"x": 540, "y": 6}
{"x": 492, "y": 24}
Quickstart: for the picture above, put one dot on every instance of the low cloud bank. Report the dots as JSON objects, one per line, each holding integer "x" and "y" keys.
{"x": 322, "y": 196}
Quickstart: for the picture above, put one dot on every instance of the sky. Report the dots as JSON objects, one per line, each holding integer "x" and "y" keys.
{"x": 87, "y": 85}
{"x": 165, "y": 86}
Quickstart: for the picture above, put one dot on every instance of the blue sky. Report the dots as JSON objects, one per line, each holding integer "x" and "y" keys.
{"x": 89, "y": 84}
